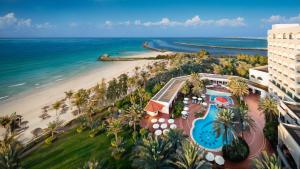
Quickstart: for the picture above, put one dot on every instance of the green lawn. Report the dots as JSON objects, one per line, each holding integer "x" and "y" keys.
{"x": 70, "y": 151}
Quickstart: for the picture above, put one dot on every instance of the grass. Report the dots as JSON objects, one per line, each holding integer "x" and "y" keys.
{"x": 71, "y": 150}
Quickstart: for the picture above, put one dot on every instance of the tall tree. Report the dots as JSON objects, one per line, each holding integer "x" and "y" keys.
{"x": 191, "y": 156}
{"x": 133, "y": 115}
{"x": 269, "y": 107}
{"x": 176, "y": 138}
{"x": 238, "y": 87}
{"x": 224, "y": 124}
{"x": 69, "y": 94}
{"x": 246, "y": 122}
{"x": 114, "y": 127}
{"x": 10, "y": 151}
{"x": 54, "y": 126}
{"x": 152, "y": 153}
{"x": 267, "y": 161}
{"x": 56, "y": 106}
{"x": 123, "y": 83}
{"x": 80, "y": 98}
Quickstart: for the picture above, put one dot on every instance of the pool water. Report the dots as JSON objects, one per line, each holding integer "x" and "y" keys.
{"x": 229, "y": 99}
{"x": 203, "y": 131}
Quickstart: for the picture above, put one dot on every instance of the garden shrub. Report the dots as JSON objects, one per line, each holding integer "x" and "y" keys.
{"x": 177, "y": 109}
{"x": 49, "y": 140}
{"x": 237, "y": 151}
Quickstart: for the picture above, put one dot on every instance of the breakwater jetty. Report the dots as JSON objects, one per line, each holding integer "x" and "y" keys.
{"x": 221, "y": 47}
{"x": 146, "y": 45}
{"x": 107, "y": 58}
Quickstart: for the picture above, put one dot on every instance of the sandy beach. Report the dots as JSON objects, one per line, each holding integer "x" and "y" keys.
{"x": 29, "y": 104}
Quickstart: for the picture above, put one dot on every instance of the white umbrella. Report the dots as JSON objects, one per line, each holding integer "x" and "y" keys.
{"x": 184, "y": 112}
{"x": 186, "y": 99}
{"x": 173, "y": 126}
{"x": 185, "y": 102}
{"x": 166, "y": 131}
{"x": 171, "y": 121}
{"x": 161, "y": 120}
{"x": 155, "y": 126}
{"x": 200, "y": 99}
{"x": 158, "y": 132}
{"x": 164, "y": 125}
{"x": 203, "y": 95}
{"x": 153, "y": 120}
{"x": 204, "y": 104}
{"x": 194, "y": 97}
{"x": 219, "y": 160}
{"x": 185, "y": 108}
{"x": 210, "y": 156}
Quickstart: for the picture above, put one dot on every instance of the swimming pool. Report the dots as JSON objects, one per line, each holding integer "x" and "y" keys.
{"x": 217, "y": 93}
{"x": 203, "y": 132}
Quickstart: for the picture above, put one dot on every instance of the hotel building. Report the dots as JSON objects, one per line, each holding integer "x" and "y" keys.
{"x": 284, "y": 75}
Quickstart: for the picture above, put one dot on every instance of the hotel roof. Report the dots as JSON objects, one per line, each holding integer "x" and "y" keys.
{"x": 170, "y": 90}
{"x": 153, "y": 106}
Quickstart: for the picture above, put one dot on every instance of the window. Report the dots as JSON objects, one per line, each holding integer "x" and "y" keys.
{"x": 274, "y": 36}
{"x": 259, "y": 78}
{"x": 252, "y": 76}
{"x": 284, "y": 36}
{"x": 290, "y": 36}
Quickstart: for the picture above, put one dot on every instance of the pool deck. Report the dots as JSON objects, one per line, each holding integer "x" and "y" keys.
{"x": 255, "y": 138}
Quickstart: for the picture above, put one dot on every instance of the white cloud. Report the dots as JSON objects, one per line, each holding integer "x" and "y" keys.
{"x": 73, "y": 24}
{"x": 45, "y": 25}
{"x": 276, "y": 19}
{"x": 108, "y": 23}
{"x": 239, "y": 21}
{"x": 9, "y": 20}
{"x": 194, "y": 21}
{"x": 137, "y": 22}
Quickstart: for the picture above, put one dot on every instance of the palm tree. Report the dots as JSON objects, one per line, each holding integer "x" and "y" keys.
{"x": 142, "y": 95}
{"x": 176, "y": 138}
{"x": 152, "y": 153}
{"x": 10, "y": 151}
{"x": 56, "y": 106}
{"x": 224, "y": 124}
{"x": 9, "y": 122}
{"x": 245, "y": 121}
{"x": 133, "y": 115}
{"x": 117, "y": 148}
{"x": 269, "y": 107}
{"x": 114, "y": 127}
{"x": 54, "y": 126}
{"x": 194, "y": 78}
{"x": 93, "y": 164}
{"x": 238, "y": 87}
{"x": 267, "y": 161}
{"x": 185, "y": 88}
{"x": 144, "y": 76}
{"x": 190, "y": 156}
{"x": 80, "y": 98}
{"x": 69, "y": 94}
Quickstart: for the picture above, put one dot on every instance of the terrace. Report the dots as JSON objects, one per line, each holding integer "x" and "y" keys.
{"x": 255, "y": 139}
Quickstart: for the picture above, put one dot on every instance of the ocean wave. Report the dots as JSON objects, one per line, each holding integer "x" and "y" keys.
{"x": 19, "y": 84}
{"x": 59, "y": 79}
{"x": 4, "y": 97}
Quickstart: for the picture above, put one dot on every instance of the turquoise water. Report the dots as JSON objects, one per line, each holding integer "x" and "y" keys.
{"x": 27, "y": 64}
{"x": 217, "y": 93}
{"x": 203, "y": 132}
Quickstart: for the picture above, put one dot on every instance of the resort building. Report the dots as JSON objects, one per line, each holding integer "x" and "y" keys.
{"x": 163, "y": 101}
{"x": 284, "y": 72}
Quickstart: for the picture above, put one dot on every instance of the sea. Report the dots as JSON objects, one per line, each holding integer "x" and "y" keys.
{"x": 34, "y": 63}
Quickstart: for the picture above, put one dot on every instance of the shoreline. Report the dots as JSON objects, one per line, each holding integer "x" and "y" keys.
{"x": 29, "y": 104}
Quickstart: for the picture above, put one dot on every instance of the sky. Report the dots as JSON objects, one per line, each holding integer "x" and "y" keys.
{"x": 144, "y": 18}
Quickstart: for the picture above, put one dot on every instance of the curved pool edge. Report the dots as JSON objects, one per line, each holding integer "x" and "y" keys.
{"x": 192, "y": 136}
